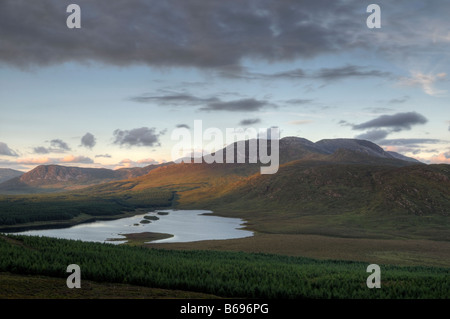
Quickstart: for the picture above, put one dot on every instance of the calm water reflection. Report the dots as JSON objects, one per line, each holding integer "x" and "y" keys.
{"x": 185, "y": 225}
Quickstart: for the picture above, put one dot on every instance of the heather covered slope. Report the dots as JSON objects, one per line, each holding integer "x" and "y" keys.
{"x": 345, "y": 200}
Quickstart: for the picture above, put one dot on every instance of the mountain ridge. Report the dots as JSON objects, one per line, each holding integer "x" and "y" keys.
{"x": 53, "y": 178}
{"x": 8, "y": 173}
{"x": 49, "y": 178}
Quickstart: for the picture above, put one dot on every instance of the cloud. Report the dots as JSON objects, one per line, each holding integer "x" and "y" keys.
{"x": 177, "y": 33}
{"x": 324, "y": 74}
{"x": 5, "y": 150}
{"x": 76, "y": 159}
{"x": 36, "y": 161}
{"x": 103, "y": 156}
{"x": 412, "y": 142}
{"x": 442, "y": 158}
{"x": 47, "y": 160}
{"x": 348, "y": 71}
{"x": 396, "y": 122}
{"x": 213, "y": 35}
{"x": 206, "y": 104}
{"x": 382, "y": 126}
{"x": 59, "y": 145}
{"x": 243, "y": 105}
{"x": 56, "y": 146}
{"x": 173, "y": 99}
{"x": 128, "y": 163}
{"x": 88, "y": 140}
{"x": 345, "y": 123}
{"x": 41, "y": 150}
{"x": 425, "y": 81}
{"x": 247, "y": 122}
{"x": 298, "y": 101}
{"x": 183, "y": 126}
{"x": 373, "y": 136}
{"x": 147, "y": 161}
{"x": 143, "y": 136}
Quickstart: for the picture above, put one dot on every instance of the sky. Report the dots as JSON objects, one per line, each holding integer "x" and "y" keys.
{"x": 111, "y": 93}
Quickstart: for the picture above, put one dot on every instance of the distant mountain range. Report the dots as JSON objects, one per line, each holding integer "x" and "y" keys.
{"x": 7, "y": 173}
{"x": 53, "y": 178}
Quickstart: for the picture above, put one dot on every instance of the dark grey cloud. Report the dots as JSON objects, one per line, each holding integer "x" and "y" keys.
{"x": 411, "y": 142}
{"x": 88, "y": 140}
{"x": 213, "y": 33}
{"x": 206, "y": 103}
{"x": 247, "y": 122}
{"x": 103, "y": 156}
{"x": 173, "y": 99}
{"x": 59, "y": 145}
{"x": 41, "y": 150}
{"x": 373, "y": 136}
{"x": 56, "y": 146}
{"x": 183, "y": 126}
{"x": 396, "y": 122}
{"x": 197, "y": 33}
{"x": 143, "y": 136}
{"x": 243, "y": 105}
{"x": 380, "y": 127}
{"x": 5, "y": 150}
{"x": 348, "y": 71}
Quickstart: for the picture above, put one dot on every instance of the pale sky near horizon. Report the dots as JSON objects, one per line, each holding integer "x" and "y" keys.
{"x": 110, "y": 94}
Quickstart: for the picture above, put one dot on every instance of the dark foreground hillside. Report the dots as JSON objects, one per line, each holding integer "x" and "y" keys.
{"x": 224, "y": 274}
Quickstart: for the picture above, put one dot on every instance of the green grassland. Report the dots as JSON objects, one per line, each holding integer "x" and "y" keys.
{"x": 224, "y": 274}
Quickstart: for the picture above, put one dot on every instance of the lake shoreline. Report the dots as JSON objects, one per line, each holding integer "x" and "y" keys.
{"x": 147, "y": 226}
{"x": 79, "y": 220}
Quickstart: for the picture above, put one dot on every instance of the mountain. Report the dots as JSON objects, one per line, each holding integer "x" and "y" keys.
{"x": 346, "y": 188}
{"x": 7, "y": 173}
{"x": 362, "y": 146}
{"x": 51, "y": 178}
{"x": 356, "y": 191}
{"x": 201, "y": 183}
{"x": 295, "y": 148}
{"x": 54, "y": 178}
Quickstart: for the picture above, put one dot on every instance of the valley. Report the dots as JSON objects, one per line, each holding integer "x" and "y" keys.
{"x": 348, "y": 203}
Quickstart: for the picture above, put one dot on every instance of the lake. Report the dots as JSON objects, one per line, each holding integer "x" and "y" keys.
{"x": 184, "y": 225}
